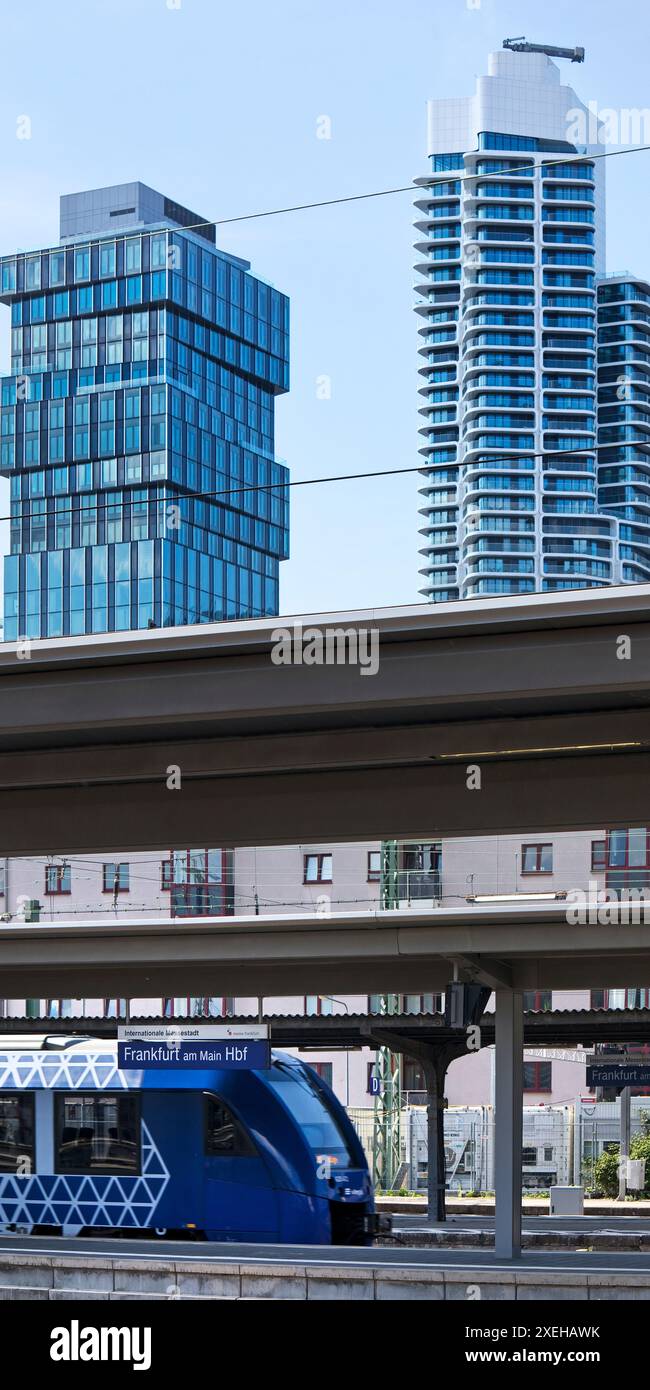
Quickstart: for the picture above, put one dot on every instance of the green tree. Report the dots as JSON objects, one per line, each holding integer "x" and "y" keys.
{"x": 606, "y": 1167}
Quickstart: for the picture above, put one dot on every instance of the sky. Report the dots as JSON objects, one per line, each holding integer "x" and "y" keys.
{"x": 221, "y": 107}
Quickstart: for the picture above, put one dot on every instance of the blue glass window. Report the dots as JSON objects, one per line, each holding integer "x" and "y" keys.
{"x": 109, "y": 472}
{"x": 158, "y": 250}
{"x": 107, "y": 259}
{"x": 133, "y": 254}
{"x": 134, "y": 289}
{"x": 82, "y": 263}
{"x": 109, "y": 294}
{"x": 57, "y": 268}
{"x": 33, "y": 273}
{"x": 8, "y": 280}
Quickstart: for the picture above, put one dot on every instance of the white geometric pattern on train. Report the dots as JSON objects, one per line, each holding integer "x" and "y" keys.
{"x": 74, "y": 1201}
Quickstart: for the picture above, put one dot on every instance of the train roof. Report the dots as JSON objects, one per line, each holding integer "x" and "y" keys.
{"x": 53, "y": 1042}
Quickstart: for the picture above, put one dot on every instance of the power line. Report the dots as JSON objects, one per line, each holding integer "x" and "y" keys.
{"x": 451, "y": 175}
{"x": 506, "y": 461}
{"x": 330, "y": 202}
{"x": 149, "y": 910}
{"x": 442, "y": 177}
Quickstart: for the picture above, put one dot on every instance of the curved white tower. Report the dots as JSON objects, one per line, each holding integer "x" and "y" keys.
{"x": 511, "y": 239}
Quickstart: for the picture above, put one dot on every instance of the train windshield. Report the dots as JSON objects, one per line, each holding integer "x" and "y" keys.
{"x": 320, "y": 1128}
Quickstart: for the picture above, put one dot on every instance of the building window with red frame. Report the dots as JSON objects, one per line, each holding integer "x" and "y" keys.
{"x": 538, "y": 1076}
{"x": 538, "y": 1001}
{"x": 628, "y": 858}
{"x": 116, "y": 878}
{"x": 598, "y": 855}
{"x": 637, "y": 997}
{"x": 537, "y": 859}
{"x": 317, "y": 868}
{"x": 199, "y": 881}
{"x": 324, "y": 1070}
{"x": 115, "y": 1008}
{"x": 217, "y": 1006}
{"x": 58, "y": 878}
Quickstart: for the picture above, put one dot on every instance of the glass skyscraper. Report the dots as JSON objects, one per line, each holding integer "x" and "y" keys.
{"x": 518, "y": 494}
{"x": 137, "y": 424}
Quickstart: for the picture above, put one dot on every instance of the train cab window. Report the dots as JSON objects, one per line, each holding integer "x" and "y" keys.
{"x": 224, "y": 1135}
{"x": 17, "y": 1133}
{"x": 299, "y": 1091}
{"x": 97, "y": 1134}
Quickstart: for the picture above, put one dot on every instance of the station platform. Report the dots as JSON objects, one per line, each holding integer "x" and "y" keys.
{"x": 592, "y": 1232}
{"x": 136, "y": 1270}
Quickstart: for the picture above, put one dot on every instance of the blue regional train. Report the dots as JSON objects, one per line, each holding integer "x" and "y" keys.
{"x": 225, "y": 1155}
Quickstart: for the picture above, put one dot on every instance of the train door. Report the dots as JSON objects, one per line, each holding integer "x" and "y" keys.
{"x": 240, "y": 1200}
{"x": 173, "y": 1133}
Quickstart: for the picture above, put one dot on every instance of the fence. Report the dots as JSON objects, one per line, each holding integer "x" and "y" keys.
{"x": 561, "y": 1143}
{"x": 363, "y": 1121}
{"x": 551, "y": 1152}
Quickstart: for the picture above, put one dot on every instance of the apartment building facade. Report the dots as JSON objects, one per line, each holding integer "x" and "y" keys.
{"x": 534, "y": 367}
{"x": 320, "y": 878}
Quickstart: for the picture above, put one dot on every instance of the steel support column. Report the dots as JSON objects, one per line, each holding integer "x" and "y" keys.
{"x": 509, "y": 1094}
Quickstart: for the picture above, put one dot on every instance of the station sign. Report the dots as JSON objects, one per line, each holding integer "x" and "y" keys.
{"x": 618, "y": 1074}
{"x": 193, "y": 1047}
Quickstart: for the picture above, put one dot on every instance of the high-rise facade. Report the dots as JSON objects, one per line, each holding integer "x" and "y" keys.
{"x": 518, "y": 496}
{"x": 137, "y": 424}
{"x": 624, "y": 417}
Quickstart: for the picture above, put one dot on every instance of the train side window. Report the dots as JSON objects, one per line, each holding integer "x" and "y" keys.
{"x": 97, "y": 1133}
{"x": 224, "y": 1135}
{"x": 17, "y": 1133}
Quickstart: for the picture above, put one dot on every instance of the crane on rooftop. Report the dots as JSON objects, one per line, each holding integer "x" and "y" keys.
{"x": 576, "y": 55}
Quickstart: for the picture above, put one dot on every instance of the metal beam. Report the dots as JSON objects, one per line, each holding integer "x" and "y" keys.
{"x": 484, "y": 971}
{"x": 508, "y": 1123}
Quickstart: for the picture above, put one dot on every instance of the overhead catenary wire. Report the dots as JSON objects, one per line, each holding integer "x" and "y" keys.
{"x": 423, "y": 181}
{"x": 273, "y": 488}
{"x": 506, "y": 461}
{"x": 127, "y": 908}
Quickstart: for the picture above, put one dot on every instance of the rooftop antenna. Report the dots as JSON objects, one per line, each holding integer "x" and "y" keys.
{"x": 576, "y": 55}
